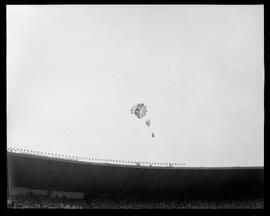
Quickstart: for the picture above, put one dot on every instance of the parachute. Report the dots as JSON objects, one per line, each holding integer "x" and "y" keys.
{"x": 140, "y": 111}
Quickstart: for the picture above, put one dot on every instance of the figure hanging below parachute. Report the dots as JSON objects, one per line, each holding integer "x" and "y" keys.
{"x": 140, "y": 111}
{"x": 148, "y": 122}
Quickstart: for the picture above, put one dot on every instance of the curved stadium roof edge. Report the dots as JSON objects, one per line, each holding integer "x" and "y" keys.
{"x": 45, "y": 173}
{"x": 154, "y": 165}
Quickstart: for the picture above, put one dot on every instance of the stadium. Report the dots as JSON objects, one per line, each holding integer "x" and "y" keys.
{"x": 79, "y": 180}
{"x": 146, "y": 106}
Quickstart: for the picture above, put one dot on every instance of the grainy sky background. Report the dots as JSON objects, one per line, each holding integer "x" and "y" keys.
{"x": 74, "y": 72}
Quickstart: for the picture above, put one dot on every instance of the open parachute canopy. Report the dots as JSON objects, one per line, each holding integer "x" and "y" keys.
{"x": 139, "y": 110}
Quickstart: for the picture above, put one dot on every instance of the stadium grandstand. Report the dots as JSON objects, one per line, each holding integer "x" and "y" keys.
{"x": 47, "y": 180}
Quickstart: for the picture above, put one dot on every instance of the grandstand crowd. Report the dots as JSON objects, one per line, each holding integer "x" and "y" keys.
{"x": 105, "y": 202}
{"x": 44, "y": 202}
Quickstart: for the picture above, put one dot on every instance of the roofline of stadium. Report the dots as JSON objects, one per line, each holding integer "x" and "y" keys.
{"x": 58, "y": 174}
{"x": 137, "y": 164}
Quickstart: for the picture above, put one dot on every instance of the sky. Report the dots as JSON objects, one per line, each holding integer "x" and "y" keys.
{"x": 74, "y": 72}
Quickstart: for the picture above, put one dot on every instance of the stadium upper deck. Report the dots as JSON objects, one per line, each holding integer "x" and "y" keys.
{"x": 74, "y": 175}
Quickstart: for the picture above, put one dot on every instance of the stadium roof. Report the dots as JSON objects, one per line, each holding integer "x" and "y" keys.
{"x": 44, "y": 173}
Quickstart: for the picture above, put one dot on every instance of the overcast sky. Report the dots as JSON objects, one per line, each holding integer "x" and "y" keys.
{"x": 74, "y": 72}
